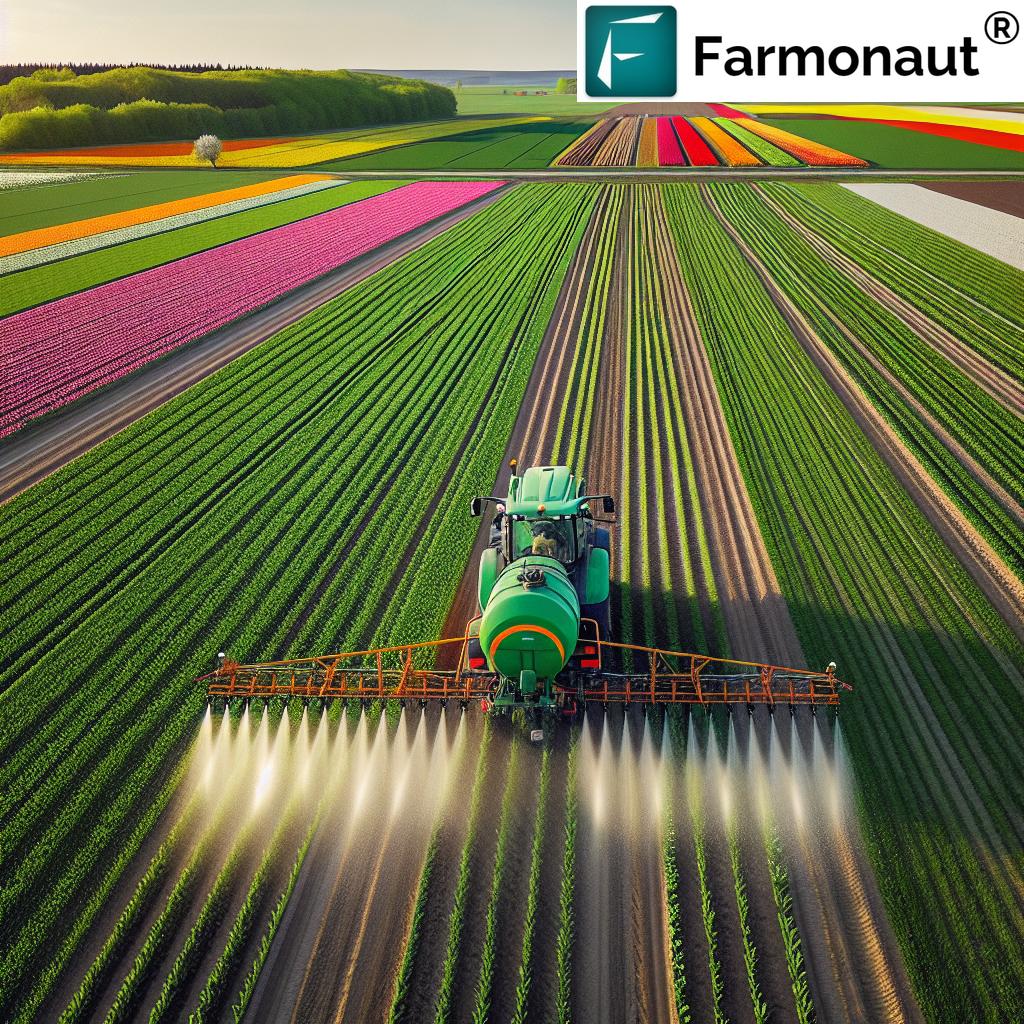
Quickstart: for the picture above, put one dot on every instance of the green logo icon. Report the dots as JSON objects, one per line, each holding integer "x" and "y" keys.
{"x": 630, "y": 51}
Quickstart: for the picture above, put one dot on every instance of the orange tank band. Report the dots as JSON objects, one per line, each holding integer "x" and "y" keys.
{"x": 527, "y": 629}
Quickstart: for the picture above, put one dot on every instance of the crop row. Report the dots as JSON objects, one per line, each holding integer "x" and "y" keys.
{"x": 707, "y": 905}
{"x": 403, "y": 979}
{"x": 65, "y": 349}
{"x": 29, "y": 209}
{"x": 837, "y": 309}
{"x": 673, "y": 889}
{"x": 973, "y": 295}
{"x": 457, "y": 918}
{"x": 567, "y": 891}
{"x": 527, "y": 959}
{"x": 647, "y": 149}
{"x": 619, "y": 147}
{"x": 728, "y": 149}
{"x": 421, "y": 343}
{"x": 761, "y": 148}
{"x": 484, "y": 993}
{"x": 761, "y": 1010}
{"x": 586, "y": 147}
{"x": 790, "y": 934}
{"x": 870, "y": 585}
{"x": 249, "y": 984}
{"x": 814, "y": 154}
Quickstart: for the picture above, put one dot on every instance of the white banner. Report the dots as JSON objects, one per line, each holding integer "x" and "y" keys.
{"x": 803, "y": 51}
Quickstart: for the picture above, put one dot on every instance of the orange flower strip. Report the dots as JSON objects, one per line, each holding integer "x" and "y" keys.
{"x": 732, "y": 152}
{"x": 39, "y": 237}
{"x": 647, "y": 154}
{"x": 812, "y": 153}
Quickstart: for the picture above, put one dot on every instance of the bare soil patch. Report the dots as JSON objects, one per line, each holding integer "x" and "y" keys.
{"x": 1005, "y": 196}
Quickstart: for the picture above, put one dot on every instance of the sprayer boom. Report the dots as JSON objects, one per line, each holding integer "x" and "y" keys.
{"x": 624, "y": 673}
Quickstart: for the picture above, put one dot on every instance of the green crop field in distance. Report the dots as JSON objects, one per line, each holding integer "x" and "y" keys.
{"x": 888, "y": 146}
{"x": 499, "y": 99}
{"x": 532, "y": 145}
{"x": 42, "y": 206}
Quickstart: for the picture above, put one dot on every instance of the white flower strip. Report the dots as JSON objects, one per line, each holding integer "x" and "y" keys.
{"x": 990, "y": 231}
{"x": 23, "y": 179}
{"x": 105, "y": 239}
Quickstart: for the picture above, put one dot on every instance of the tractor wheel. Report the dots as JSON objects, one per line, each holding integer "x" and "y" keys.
{"x": 601, "y": 538}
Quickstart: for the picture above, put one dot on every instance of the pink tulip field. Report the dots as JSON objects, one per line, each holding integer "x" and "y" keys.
{"x": 60, "y": 351}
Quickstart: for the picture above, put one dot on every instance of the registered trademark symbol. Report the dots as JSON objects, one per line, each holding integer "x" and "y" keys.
{"x": 1002, "y": 27}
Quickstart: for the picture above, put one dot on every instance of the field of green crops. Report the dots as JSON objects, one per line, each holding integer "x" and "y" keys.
{"x": 523, "y": 146}
{"x": 889, "y": 146}
{"x": 811, "y": 413}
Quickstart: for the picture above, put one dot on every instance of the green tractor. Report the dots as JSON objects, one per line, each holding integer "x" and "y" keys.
{"x": 543, "y": 590}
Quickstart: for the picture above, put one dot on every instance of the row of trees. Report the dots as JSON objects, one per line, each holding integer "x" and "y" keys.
{"x": 64, "y": 70}
{"x": 150, "y": 105}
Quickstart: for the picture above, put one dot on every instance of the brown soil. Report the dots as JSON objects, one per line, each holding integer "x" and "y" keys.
{"x": 1005, "y": 196}
{"x": 46, "y": 445}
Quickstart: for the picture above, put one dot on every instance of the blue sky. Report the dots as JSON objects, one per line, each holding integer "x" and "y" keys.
{"x": 525, "y": 34}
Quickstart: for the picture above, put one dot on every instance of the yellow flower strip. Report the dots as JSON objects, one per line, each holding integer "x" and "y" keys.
{"x": 891, "y": 112}
{"x": 38, "y": 237}
{"x": 734, "y": 153}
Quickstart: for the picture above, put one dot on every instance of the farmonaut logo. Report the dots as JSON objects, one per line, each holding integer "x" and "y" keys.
{"x": 630, "y": 50}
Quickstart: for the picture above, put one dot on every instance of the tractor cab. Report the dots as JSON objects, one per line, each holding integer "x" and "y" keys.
{"x": 559, "y": 538}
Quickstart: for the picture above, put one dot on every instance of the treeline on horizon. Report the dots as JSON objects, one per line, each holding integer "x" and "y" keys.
{"x": 65, "y": 68}
{"x": 56, "y": 109}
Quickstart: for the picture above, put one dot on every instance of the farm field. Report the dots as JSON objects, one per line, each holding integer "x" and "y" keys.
{"x": 526, "y": 146}
{"x": 867, "y": 136}
{"x": 724, "y": 141}
{"x": 809, "y": 410}
{"x": 299, "y": 151}
{"x": 888, "y": 145}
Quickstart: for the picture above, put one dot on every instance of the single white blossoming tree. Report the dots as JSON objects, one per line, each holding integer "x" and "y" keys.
{"x": 207, "y": 147}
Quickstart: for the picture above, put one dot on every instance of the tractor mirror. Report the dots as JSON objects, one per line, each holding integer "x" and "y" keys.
{"x": 476, "y": 506}
{"x": 609, "y": 504}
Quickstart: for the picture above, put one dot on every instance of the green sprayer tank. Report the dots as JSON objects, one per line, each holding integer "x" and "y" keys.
{"x": 532, "y": 620}
{"x": 543, "y": 586}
